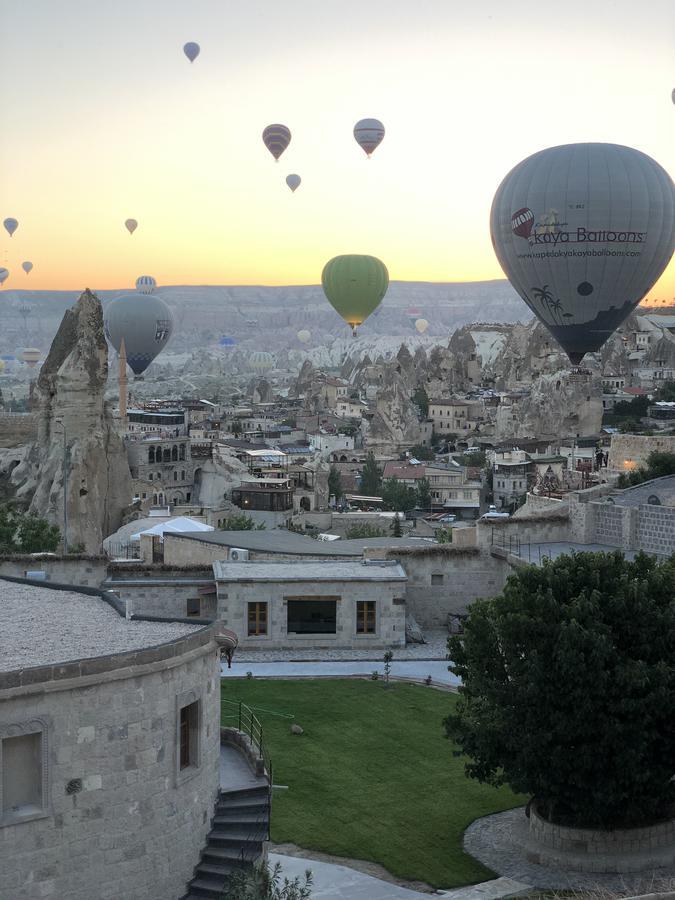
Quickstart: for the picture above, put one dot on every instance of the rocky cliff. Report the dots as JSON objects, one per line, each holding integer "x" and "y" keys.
{"x": 72, "y": 419}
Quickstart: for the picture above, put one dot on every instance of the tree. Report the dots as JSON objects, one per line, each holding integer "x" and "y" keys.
{"x": 398, "y": 496}
{"x": 236, "y": 427}
{"x": 371, "y": 477}
{"x": 396, "y": 530}
{"x": 22, "y": 533}
{"x": 659, "y": 463}
{"x": 335, "y": 483}
{"x": 666, "y": 391}
{"x": 421, "y": 399}
{"x": 264, "y": 883}
{"x": 567, "y": 688}
{"x": 364, "y": 530}
{"x": 637, "y": 407}
{"x": 443, "y": 535}
{"x": 425, "y": 454}
{"x": 241, "y": 522}
{"x": 424, "y": 493}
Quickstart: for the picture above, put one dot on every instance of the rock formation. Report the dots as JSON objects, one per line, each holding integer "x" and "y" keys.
{"x": 69, "y": 400}
{"x": 395, "y": 424}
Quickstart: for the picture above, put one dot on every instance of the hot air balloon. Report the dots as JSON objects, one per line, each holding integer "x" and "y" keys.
{"x": 31, "y": 356}
{"x": 304, "y": 336}
{"x": 368, "y": 134}
{"x": 10, "y": 226}
{"x": 276, "y": 138}
{"x": 355, "y": 286}
{"x": 27, "y": 266}
{"x": 145, "y": 284}
{"x": 293, "y": 181}
{"x": 131, "y": 225}
{"x": 227, "y": 342}
{"x": 599, "y": 235}
{"x": 2, "y": 367}
{"x": 191, "y": 50}
{"x": 4, "y": 275}
{"x": 261, "y": 361}
{"x": 421, "y": 325}
{"x": 144, "y": 322}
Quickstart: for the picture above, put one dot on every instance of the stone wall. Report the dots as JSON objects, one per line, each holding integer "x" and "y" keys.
{"x": 536, "y": 529}
{"x": 609, "y": 524}
{"x": 444, "y": 581}
{"x": 121, "y": 819}
{"x": 85, "y": 571}
{"x": 166, "y": 598}
{"x": 630, "y": 451}
{"x": 656, "y": 529}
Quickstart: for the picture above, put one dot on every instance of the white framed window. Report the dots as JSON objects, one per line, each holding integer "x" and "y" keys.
{"x": 24, "y": 781}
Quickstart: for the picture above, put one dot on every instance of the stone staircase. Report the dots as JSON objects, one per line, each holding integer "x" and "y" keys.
{"x": 239, "y": 828}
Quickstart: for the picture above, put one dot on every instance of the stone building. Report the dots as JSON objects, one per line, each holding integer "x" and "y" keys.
{"x": 109, "y": 748}
{"x": 450, "y": 416}
{"x": 306, "y": 604}
{"x": 162, "y": 469}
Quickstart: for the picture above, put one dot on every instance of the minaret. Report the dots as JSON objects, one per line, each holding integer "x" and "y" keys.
{"x": 123, "y": 385}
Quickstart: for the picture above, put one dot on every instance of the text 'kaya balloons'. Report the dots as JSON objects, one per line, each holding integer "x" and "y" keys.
{"x": 144, "y": 322}
{"x": 4, "y": 275}
{"x": 10, "y": 226}
{"x": 145, "y": 284}
{"x": 293, "y": 181}
{"x": 131, "y": 225}
{"x": 368, "y": 134}
{"x": 191, "y": 50}
{"x": 355, "y": 286}
{"x": 276, "y": 138}
{"x": 582, "y": 232}
{"x": 27, "y": 266}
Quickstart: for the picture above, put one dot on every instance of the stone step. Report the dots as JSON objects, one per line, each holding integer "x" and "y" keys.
{"x": 246, "y": 820}
{"x": 244, "y": 793}
{"x": 243, "y": 803}
{"x": 222, "y": 870}
{"x": 206, "y": 887}
{"x": 227, "y": 841}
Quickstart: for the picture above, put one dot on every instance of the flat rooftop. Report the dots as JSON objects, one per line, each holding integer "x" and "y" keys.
{"x": 268, "y": 570}
{"x": 43, "y": 627}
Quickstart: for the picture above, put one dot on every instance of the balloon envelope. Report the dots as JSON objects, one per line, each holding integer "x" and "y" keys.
{"x": 355, "y": 286}
{"x": 131, "y": 225}
{"x": 10, "y": 226}
{"x": 145, "y": 284}
{"x": 4, "y": 275}
{"x": 276, "y": 138}
{"x": 304, "y": 336}
{"x": 261, "y": 361}
{"x": 582, "y": 232}
{"x": 27, "y": 266}
{"x": 293, "y": 181}
{"x": 368, "y": 134}
{"x": 227, "y": 341}
{"x": 421, "y": 325}
{"x": 31, "y": 356}
{"x": 144, "y": 322}
{"x": 191, "y": 50}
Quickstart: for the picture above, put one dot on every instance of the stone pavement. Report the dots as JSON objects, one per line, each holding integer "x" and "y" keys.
{"x": 335, "y": 882}
{"x": 414, "y": 670}
{"x": 235, "y": 772}
{"x": 436, "y": 647}
{"x": 499, "y": 841}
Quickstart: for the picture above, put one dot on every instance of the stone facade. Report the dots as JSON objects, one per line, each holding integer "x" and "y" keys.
{"x": 77, "y": 570}
{"x": 630, "y": 451}
{"x": 117, "y": 817}
{"x": 173, "y": 596}
{"x": 656, "y": 530}
{"x": 162, "y": 469}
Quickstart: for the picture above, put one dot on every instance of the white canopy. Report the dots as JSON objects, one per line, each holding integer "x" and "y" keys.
{"x": 180, "y": 523}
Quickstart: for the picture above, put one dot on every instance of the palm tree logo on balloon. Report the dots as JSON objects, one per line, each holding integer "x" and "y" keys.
{"x": 554, "y": 306}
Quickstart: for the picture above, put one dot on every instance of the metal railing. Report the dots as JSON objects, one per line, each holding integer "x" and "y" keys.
{"x": 123, "y": 550}
{"x": 249, "y": 724}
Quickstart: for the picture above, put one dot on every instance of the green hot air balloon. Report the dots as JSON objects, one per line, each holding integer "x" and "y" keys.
{"x": 355, "y": 286}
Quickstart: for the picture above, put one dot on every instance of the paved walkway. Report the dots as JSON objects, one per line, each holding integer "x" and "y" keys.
{"x": 414, "y": 670}
{"x": 334, "y": 882}
{"x": 235, "y": 772}
{"x": 435, "y": 647}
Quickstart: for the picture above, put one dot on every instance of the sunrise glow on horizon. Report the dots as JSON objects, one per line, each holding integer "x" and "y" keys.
{"x": 104, "y": 119}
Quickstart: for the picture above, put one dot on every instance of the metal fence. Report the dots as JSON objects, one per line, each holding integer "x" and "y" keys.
{"x": 123, "y": 550}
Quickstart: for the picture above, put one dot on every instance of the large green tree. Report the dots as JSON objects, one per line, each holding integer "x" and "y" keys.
{"x": 424, "y": 493}
{"x": 659, "y": 463}
{"x": 398, "y": 496}
{"x": 568, "y": 688}
{"x": 421, "y": 399}
{"x": 23, "y": 533}
{"x": 371, "y": 477}
{"x": 335, "y": 483}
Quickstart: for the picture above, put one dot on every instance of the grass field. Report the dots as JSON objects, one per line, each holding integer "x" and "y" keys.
{"x": 373, "y": 776}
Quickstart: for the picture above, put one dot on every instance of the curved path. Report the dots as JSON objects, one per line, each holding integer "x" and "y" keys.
{"x": 412, "y": 669}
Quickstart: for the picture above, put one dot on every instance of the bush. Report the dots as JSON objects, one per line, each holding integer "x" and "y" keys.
{"x": 241, "y": 523}
{"x": 264, "y": 883}
{"x": 568, "y": 691}
{"x": 23, "y": 533}
{"x": 363, "y": 530}
{"x": 659, "y": 464}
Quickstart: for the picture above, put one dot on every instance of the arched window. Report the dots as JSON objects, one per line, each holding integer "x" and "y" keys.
{"x": 174, "y": 453}
{"x": 167, "y": 454}
{"x": 182, "y": 451}
{"x": 151, "y": 455}
{"x": 182, "y": 475}
{"x": 154, "y": 499}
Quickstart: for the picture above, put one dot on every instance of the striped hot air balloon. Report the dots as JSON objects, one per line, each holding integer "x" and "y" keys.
{"x": 368, "y": 134}
{"x": 276, "y": 138}
{"x": 145, "y": 284}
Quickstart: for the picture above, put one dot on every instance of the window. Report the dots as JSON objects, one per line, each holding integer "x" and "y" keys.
{"x": 312, "y": 615}
{"x": 23, "y": 771}
{"x": 188, "y": 736}
{"x": 257, "y": 618}
{"x": 365, "y": 617}
{"x": 144, "y": 496}
{"x": 150, "y": 476}
{"x": 436, "y": 578}
{"x": 175, "y": 475}
{"x": 182, "y": 475}
{"x": 193, "y": 606}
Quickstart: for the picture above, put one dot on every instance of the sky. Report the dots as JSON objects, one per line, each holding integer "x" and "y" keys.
{"x": 103, "y": 119}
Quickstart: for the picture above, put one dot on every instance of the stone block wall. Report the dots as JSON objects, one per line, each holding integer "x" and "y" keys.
{"x": 609, "y": 526}
{"x": 630, "y": 451}
{"x": 542, "y": 529}
{"x": 80, "y": 571}
{"x": 166, "y": 600}
{"x": 120, "y": 821}
{"x": 656, "y": 529}
{"x": 445, "y": 582}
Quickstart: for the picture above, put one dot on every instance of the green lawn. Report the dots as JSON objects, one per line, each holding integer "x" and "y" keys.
{"x": 373, "y": 776}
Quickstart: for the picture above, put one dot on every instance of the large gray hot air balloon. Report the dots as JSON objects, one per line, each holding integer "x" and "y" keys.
{"x": 368, "y": 134}
{"x": 583, "y": 231}
{"x": 10, "y": 226}
{"x": 145, "y": 323}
